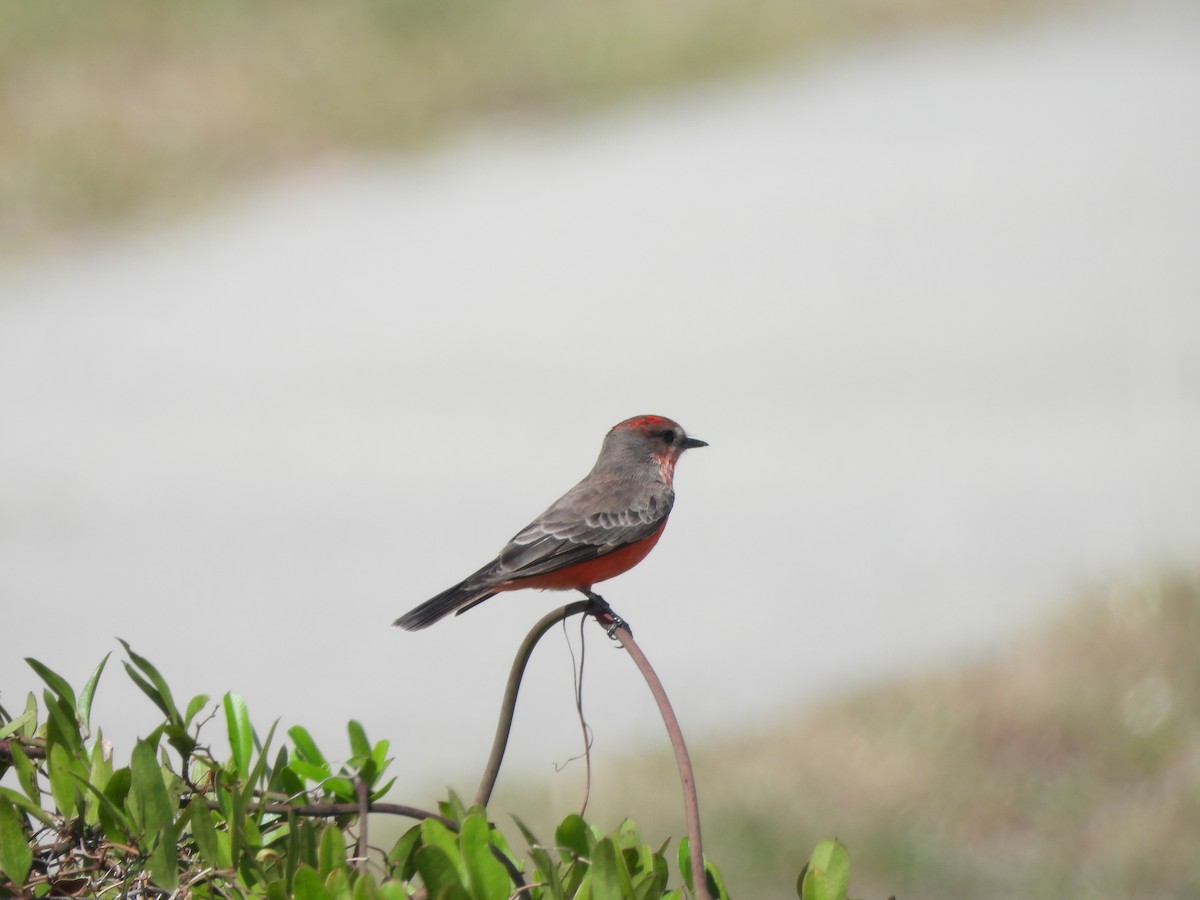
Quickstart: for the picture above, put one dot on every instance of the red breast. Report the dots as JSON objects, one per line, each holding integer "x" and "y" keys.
{"x": 582, "y": 576}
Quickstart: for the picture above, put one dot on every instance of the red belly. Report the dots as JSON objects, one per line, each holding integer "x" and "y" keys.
{"x": 584, "y": 575}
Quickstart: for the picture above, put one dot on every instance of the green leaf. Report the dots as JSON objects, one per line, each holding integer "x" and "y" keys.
{"x": 30, "y": 728}
{"x": 178, "y": 737}
{"x": 365, "y": 888}
{"x": 16, "y": 857}
{"x": 307, "y": 749}
{"x": 712, "y": 877}
{"x": 392, "y": 890}
{"x": 401, "y": 855}
{"x": 118, "y": 785}
{"x": 342, "y": 788}
{"x": 435, "y": 834}
{"x": 62, "y": 786}
{"x": 30, "y": 808}
{"x": 547, "y": 871}
{"x": 716, "y": 884}
{"x": 167, "y": 704}
{"x": 283, "y": 780}
{"x": 607, "y": 869}
{"x": 574, "y": 836}
{"x": 367, "y": 770}
{"x": 453, "y": 808}
{"x": 292, "y": 851}
{"x": 628, "y": 836}
{"x": 99, "y": 772}
{"x": 26, "y": 773}
{"x": 30, "y": 715}
{"x": 359, "y": 745}
{"x": 379, "y": 755}
{"x": 62, "y": 726}
{"x": 194, "y": 706}
{"x": 253, "y": 835}
{"x": 57, "y": 683}
{"x": 685, "y": 863}
{"x": 486, "y": 877}
{"x": 205, "y": 834}
{"x": 148, "y": 689}
{"x": 164, "y": 862}
{"x": 276, "y": 831}
{"x": 306, "y": 843}
{"x": 308, "y": 885}
{"x": 636, "y": 855}
{"x": 89, "y": 693}
{"x": 241, "y": 735}
{"x": 332, "y": 852}
{"x": 225, "y": 847}
{"x": 380, "y": 792}
{"x": 112, "y": 815}
{"x": 154, "y": 808}
{"x": 338, "y": 884}
{"x": 232, "y": 809}
{"x": 832, "y": 856}
{"x": 308, "y": 771}
{"x": 151, "y": 803}
{"x": 649, "y": 885}
{"x": 827, "y": 875}
{"x": 813, "y": 884}
{"x": 103, "y": 812}
{"x": 255, "y": 775}
{"x": 439, "y": 873}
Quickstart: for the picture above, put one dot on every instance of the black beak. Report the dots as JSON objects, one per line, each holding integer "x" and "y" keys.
{"x": 692, "y": 443}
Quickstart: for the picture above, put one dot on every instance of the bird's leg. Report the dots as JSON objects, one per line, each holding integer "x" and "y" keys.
{"x": 597, "y": 601}
{"x": 604, "y": 614}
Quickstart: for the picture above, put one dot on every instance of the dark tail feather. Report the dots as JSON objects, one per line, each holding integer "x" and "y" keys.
{"x": 454, "y": 600}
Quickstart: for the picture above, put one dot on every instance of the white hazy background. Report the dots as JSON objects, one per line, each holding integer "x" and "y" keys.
{"x": 935, "y": 304}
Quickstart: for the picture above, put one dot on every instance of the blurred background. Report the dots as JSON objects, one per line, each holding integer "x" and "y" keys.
{"x": 306, "y": 308}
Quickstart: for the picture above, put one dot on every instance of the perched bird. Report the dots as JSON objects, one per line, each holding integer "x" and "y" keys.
{"x": 603, "y": 526}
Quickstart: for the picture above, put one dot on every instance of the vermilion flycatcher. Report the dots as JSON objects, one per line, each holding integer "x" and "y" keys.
{"x": 603, "y": 526}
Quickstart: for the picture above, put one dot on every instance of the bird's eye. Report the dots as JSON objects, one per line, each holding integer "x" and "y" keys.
{"x": 668, "y": 435}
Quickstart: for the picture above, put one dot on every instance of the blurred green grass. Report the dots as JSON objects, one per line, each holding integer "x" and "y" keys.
{"x": 113, "y": 112}
{"x": 1067, "y": 766}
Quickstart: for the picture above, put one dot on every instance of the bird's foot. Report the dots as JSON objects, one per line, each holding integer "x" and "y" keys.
{"x": 605, "y": 616}
{"x": 617, "y": 622}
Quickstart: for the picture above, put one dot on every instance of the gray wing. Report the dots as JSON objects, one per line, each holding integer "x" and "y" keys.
{"x": 587, "y": 522}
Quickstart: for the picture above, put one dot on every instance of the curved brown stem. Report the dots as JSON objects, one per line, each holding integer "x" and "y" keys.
{"x": 604, "y": 615}
{"x": 331, "y": 810}
{"x": 687, "y": 778}
{"x": 504, "y": 726}
{"x": 364, "y": 806}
